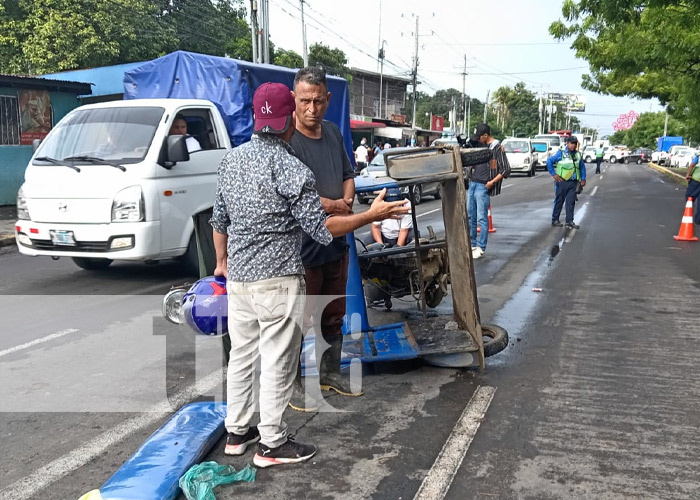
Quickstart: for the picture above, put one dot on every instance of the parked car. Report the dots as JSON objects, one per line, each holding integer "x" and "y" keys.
{"x": 541, "y": 152}
{"x": 376, "y": 172}
{"x": 675, "y": 153}
{"x": 521, "y": 155}
{"x": 683, "y": 158}
{"x": 638, "y": 156}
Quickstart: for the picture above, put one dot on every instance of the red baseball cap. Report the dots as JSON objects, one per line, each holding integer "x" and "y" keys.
{"x": 273, "y": 106}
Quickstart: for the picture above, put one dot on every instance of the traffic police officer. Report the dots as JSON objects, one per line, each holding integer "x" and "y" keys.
{"x": 599, "y": 153}
{"x": 693, "y": 190}
{"x": 567, "y": 168}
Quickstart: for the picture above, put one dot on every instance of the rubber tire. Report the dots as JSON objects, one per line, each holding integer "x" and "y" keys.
{"x": 495, "y": 339}
{"x": 438, "y": 193}
{"x": 190, "y": 259}
{"x": 90, "y": 264}
{"x": 531, "y": 172}
{"x": 417, "y": 194}
{"x": 639, "y": 161}
{"x": 433, "y": 295}
{"x": 475, "y": 156}
{"x": 626, "y": 161}
{"x": 613, "y": 159}
{"x": 588, "y": 159}
{"x": 362, "y": 200}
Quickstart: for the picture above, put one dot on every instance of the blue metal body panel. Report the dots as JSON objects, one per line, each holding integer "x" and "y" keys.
{"x": 154, "y": 470}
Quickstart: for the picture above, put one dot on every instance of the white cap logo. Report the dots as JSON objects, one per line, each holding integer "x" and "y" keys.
{"x": 266, "y": 109}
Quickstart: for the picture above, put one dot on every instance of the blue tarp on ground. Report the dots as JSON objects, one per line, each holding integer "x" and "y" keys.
{"x": 228, "y": 83}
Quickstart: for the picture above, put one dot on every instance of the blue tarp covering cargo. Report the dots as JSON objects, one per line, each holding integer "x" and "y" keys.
{"x": 228, "y": 83}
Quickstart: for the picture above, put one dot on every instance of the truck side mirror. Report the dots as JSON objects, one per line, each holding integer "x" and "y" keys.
{"x": 35, "y": 144}
{"x": 175, "y": 150}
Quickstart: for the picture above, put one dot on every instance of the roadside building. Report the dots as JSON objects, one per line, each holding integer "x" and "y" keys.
{"x": 29, "y": 108}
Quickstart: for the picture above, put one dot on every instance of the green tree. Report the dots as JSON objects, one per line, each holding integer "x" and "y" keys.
{"x": 639, "y": 48}
{"x": 288, "y": 59}
{"x": 645, "y": 131}
{"x": 334, "y": 61}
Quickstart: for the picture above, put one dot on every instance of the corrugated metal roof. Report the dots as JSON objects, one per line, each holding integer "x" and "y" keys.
{"x": 24, "y": 81}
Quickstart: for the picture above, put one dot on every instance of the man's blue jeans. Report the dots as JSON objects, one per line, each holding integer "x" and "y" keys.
{"x": 564, "y": 192}
{"x": 478, "y": 205}
{"x": 693, "y": 192}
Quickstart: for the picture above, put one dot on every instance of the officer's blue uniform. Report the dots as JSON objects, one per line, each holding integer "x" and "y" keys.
{"x": 565, "y": 191}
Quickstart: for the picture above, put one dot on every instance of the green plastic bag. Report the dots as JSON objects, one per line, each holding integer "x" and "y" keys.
{"x": 198, "y": 483}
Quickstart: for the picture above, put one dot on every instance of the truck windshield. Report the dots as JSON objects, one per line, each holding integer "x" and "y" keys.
{"x": 121, "y": 135}
{"x": 554, "y": 140}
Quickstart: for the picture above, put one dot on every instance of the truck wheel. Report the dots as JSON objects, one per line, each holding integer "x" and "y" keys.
{"x": 475, "y": 156}
{"x": 639, "y": 161}
{"x": 438, "y": 193}
{"x": 417, "y": 194}
{"x": 495, "y": 339}
{"x": 362, "y": 200}
{"x": 613, "y": 159}
{"x": 626, "y": 160}
{"x": 588, "y": 159}
{"x": 90, "y": 264}
{"x": 190, "y": 259}
{"x": 531, "y": 172}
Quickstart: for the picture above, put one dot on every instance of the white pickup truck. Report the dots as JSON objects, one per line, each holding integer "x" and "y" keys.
{"x": 109, "y": 182}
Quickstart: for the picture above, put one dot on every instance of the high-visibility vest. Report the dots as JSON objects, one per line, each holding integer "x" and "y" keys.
{"x": 599, "y": 153}
{"x": 695, "y": 174}
{"x": 568, "y": 165}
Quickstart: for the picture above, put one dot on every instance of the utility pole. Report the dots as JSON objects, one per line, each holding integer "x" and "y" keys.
{"x": 266, "y": 31}
{"x": 381, "y": 75}
{"x": 254, "y": 27}
{"x": 303, "y": 35}
{"x": 464, "y": 95}
{"x": 549, "y": 127}
{"x": 486, "y": 105}
{"x": 539, "y": 128}
{"x": 469, "y": 117}
{"x": 415, "y": 77}
{"x": 666, "y": 124}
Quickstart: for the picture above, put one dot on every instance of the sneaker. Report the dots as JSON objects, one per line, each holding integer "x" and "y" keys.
{"x": 474, "y": 248}
{"x": 556, "y": 223}
{"x": 571, "y": 225}
{"x": 236, "y": 444}
{"x": 290, "y": 452}
{"x": 478, "y": 253}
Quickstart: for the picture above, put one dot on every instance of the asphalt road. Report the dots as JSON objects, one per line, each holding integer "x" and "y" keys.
{"x": 593, "y": 398}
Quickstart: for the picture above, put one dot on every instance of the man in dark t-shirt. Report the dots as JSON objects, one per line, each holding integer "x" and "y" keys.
{"x": 319, "y": 144}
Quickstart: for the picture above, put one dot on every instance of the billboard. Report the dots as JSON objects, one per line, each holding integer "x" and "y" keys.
{"x": 576, "y": 103}
{"x": 438, "y": 123}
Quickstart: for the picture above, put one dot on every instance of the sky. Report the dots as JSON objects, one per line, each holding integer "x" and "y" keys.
{"x": 505, "y": 41}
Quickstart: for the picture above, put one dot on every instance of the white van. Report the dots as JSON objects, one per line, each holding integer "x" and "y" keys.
{"x": 556, "y": 142}
{"x": 109, "y": 183}
{"x": 521, "y": 155}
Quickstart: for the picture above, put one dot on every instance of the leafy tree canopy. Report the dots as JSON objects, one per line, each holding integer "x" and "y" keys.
{"x": 641, "y": 48}
{"x": 334, "y": 61}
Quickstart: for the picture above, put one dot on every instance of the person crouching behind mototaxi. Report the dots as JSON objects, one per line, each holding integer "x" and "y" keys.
{"x": 567, "y": 168}
{"x": 265, "y": 199}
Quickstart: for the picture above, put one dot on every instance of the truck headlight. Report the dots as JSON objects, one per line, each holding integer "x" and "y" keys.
{"x": 22, "y": 211}
{"x": 128, "y": 205}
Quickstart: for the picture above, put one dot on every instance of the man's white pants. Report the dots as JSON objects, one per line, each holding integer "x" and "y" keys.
{"x": 264, "y": 322}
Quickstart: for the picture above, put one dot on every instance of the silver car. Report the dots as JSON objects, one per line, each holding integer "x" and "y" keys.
{"x": 376, "y": 172}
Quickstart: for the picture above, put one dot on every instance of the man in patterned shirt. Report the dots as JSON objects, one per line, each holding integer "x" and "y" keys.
{"x": 265, "y": 200}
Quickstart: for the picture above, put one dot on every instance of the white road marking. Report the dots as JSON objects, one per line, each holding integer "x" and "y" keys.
{"x": 426, "y": 213}
{"x": 28, "y": 486}
{"x": 570, "y": 236}
{"x": 507, "y": 186}
{"x": 37, "y": 341}
{"x": 439, "y": 479}
{"x": 601, "y": 177}
{"x": 595, "y": 189}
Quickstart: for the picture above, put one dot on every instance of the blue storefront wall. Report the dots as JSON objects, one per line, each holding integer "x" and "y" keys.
{"x": 14, "y": 159}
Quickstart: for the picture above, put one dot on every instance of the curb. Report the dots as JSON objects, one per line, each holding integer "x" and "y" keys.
{"x": 7, "y": 239}
{"x": 666, "y": 171}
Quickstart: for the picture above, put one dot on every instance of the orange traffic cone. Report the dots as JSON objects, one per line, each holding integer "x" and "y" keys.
{"x": 491, "y": 228}
{"x": 685, "y": 233}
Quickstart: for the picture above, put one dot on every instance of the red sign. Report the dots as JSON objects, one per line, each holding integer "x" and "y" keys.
{"x": 438, "y": 123}
{"x": 399, "y": 118}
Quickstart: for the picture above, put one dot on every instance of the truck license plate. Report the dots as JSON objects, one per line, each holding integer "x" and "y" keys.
{"x": 64, "y": 238}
